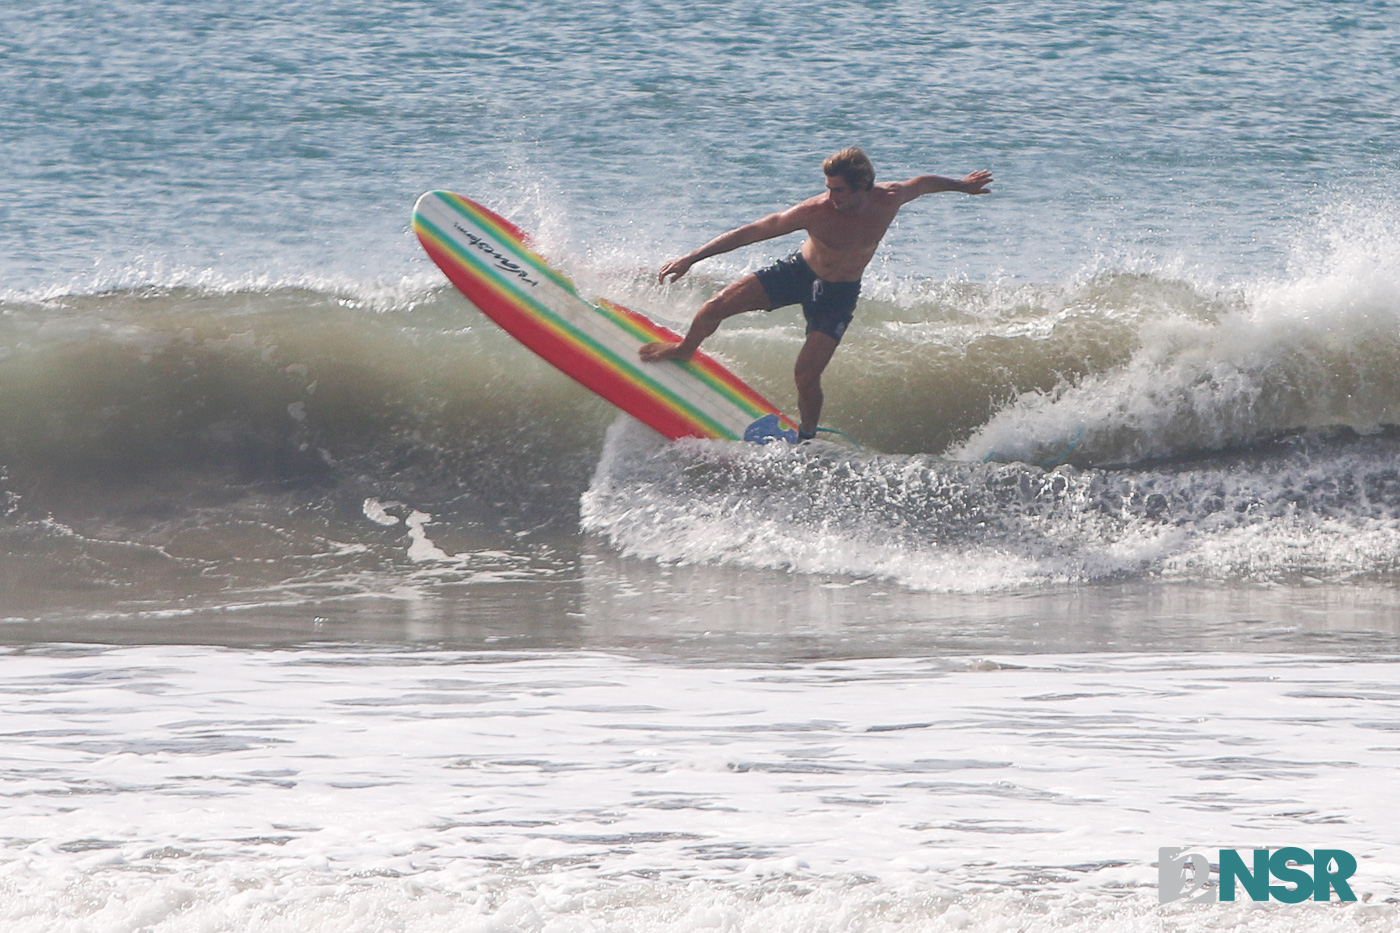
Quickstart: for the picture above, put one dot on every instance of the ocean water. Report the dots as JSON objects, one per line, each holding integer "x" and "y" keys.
{"x": 324, "y": 605}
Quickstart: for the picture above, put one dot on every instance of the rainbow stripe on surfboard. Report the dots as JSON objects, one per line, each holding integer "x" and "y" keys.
{"x": 490, "y": 261}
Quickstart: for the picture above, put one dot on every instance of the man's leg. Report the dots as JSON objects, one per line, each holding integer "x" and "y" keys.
{"x": 747, "y": 294}
{"x": 811, "y": 361}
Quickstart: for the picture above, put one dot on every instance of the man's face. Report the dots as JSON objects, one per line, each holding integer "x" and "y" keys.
{"x": 841, "y": 195}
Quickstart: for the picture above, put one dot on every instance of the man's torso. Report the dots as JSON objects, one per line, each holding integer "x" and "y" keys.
{"x": 841, "y": 244}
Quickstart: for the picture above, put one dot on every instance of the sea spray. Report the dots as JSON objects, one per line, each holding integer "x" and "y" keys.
{"x": 1315, "y": 506}
{"x": 1319, "y": 348}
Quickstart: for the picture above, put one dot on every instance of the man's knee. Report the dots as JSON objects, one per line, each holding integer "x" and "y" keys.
{"x": 808, "y": 377}
{"x": 714, "y": 311}
{"x": 746, "y": 294}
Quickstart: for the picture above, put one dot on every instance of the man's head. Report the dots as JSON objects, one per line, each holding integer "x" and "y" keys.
{"x": 853, "y": 166}
{"x": 849, "y": 175}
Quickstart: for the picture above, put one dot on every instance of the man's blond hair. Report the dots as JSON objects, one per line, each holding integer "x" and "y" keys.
{"x": 853, "y": 166}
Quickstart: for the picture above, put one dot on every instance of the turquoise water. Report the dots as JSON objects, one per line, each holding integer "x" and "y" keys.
{"x": 1126, "y": 520}
{"x": 145, "y": 139}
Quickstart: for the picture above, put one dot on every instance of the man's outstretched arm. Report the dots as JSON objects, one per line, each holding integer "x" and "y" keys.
{"x": 976, "y": 183}
{"x": 774, "y": 225}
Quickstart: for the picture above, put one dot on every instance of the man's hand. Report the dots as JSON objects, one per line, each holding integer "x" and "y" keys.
{"x": 660, "y": 350}
{"x": 977, "y": 183}
{"x": 675, "y": 269}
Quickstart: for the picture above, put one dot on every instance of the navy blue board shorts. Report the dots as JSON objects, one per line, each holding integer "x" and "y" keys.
{"x": 827, "y": 306}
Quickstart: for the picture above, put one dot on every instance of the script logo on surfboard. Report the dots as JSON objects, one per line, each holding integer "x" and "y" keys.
{"x": 502, "y": 263}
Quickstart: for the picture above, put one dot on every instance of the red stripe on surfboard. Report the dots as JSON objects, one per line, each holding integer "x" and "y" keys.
{"x": 564, "y": 354}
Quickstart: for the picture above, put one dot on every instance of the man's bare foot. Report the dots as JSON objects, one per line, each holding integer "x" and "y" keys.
{"x": 660, "y": 350}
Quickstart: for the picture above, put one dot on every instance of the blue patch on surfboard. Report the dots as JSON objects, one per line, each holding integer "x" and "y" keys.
{"x": 767, "y": 429}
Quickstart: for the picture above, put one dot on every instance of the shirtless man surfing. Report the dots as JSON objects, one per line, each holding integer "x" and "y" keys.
{"x": 844, "y": 226}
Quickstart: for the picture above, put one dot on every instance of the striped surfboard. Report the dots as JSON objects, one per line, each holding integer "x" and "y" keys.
{"x": 489, "y": 259}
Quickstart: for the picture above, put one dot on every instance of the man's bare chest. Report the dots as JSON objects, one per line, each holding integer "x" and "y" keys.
{"x": 850, "y": 233}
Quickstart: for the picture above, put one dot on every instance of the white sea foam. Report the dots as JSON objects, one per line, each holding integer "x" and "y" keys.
{"x": 1315, "y": 348}
{"x": 187, "y": 788}
{"x": 144, "y": 278}
{"x": 1307, "y": 511}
